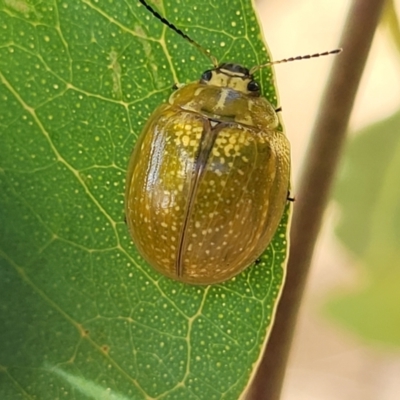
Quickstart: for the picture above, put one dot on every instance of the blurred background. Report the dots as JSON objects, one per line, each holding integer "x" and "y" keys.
{"x": 347, "y": 343}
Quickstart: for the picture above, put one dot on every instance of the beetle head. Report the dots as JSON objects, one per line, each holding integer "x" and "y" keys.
{"x": 233, "y": 76}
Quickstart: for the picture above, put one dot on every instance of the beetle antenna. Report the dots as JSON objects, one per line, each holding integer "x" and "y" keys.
{"x": 298, "y": 58}
{"x": 180, "y": 32}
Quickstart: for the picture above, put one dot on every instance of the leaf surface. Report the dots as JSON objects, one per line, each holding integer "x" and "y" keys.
{"x": 82, "y": 315}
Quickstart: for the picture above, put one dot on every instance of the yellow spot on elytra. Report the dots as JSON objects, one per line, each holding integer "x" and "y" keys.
{"x": 185, "y": 140}
{"x": 227, "y": 149}
{"x": 216, "y": 153}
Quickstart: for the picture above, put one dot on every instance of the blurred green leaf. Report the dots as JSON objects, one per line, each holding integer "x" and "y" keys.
{"x": 391, "y": 21}
{"x": 368, "y": 192}
{"x": 82, "y": 315}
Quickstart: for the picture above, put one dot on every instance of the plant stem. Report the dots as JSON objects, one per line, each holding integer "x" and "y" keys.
{"x": 315, "y": 183}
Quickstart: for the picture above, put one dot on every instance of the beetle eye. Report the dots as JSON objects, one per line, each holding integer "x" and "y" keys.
{"x": 206, "y": 76}
{"x": 253, "y": 86}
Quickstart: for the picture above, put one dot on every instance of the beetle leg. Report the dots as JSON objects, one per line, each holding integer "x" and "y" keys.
{"x": 177, "y": 86}
{"x": 278, "y": 109}
{"x": 289, "y": 198}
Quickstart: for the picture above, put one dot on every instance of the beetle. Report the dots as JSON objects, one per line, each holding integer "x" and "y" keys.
{"x": 208, "y": 180}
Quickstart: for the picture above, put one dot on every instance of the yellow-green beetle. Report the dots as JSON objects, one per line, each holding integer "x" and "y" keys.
{"x": 208, "y": 180}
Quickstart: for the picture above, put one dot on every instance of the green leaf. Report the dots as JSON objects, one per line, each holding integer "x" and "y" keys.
{"x": 368, "y": 195}
{"x": 82, "y": 315}
{"x": 390, "y": 20}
